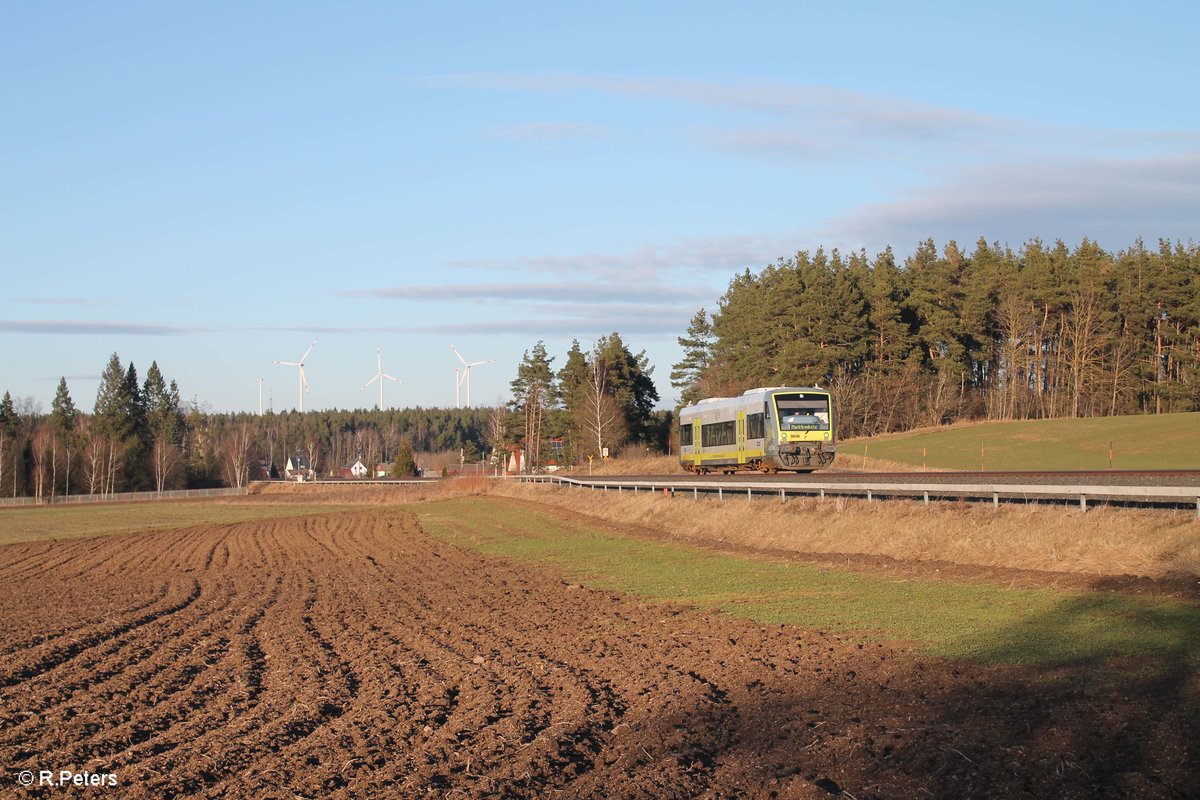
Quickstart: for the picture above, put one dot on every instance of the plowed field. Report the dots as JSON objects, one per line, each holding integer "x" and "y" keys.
{"x": 350, "y": 655}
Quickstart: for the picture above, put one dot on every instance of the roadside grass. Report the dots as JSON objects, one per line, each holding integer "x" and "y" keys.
{"x": 977, "y": 622}
{"x": 1102, "y": 542}
{"x": 1148, "y": 441}
{"x": 75, "y": 522}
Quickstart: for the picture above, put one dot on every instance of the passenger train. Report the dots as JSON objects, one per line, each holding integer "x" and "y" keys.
{"x": 767, "y": 429}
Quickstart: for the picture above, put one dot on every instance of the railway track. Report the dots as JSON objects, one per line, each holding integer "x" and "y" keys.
{"x": 1163, "y": 488}
{"x": 1055, "y": 477}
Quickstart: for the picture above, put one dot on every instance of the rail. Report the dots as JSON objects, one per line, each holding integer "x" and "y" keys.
{"x": 1172, "y": 496}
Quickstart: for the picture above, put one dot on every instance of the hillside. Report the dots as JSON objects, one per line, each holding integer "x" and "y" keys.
{"x": 1163, "y": 441}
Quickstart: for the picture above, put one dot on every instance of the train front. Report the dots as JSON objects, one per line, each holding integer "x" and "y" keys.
{"x": 804, "y": 434}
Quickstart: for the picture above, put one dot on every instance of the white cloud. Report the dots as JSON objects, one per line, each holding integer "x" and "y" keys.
{"x": 809, "y": 122}
{"x": 589, "y": 292}
{"x": 1112, "y": 201}
{"x": 652, "y": 264}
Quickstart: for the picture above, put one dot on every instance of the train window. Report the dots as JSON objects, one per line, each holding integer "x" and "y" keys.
{"x": 685, "y": 434}
{"x": 755, "y": 427}
{"x": 718, "y": 434}
{"x": 803, "y": 412}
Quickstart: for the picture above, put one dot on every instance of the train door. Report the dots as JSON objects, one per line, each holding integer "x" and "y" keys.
{"x": 696, "y": 443}
{"x": 741, "y": 437}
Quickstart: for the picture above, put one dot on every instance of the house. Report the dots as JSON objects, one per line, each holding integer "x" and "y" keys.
{"x": 259, "y": 469}
{"x": 298, "y": 469}
{"x": 355, "y": 470}
{"x": 515, "y": 461}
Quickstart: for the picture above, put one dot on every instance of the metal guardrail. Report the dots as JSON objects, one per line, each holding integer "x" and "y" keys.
{"x": 121, "y": 497}
{"x": 1173, "y": 496}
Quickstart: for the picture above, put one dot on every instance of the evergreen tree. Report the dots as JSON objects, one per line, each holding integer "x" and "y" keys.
{"x": 10, "y": 424}
{"x": 64, "y": 417}
{"x": 113, "y": 424}
{"x": 137, "y": 445}
{"x": 534, "y": 393}
{"x": 632, "y": 388}
{"x": 884, "y": 294}
{"x": 163, "y": 423}
{"x": 689, "y": 374}
{"x": 573, "y": 382}
{"x": 404, "y": 465}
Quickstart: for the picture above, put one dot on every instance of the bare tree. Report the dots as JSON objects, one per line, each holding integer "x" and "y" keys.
{"x": 602, "y": 417}
{"x": 165, "y": 457}
{"x": 92, "y": 455}
{"x": 1083, "y": 343}
{"x": 1015, "y": 322}
{"x": 312, "y": 447}
{"x": 369, "y": 449}
{"x": 42, "y": 446}
{"x": 237, "y": 455}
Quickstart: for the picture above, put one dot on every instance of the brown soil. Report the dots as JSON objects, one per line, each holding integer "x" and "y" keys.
{"x": 351, "y": 656}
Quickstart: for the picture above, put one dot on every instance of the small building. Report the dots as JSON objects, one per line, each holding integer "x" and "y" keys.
{"x": 260, "y": 469}
{"x": 297, "y": 469}
{"x": 358, "y": 469}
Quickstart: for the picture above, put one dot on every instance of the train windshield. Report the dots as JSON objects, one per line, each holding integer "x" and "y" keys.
{"x": 802, "y": 411}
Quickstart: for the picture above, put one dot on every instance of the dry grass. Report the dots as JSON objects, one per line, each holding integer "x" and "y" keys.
{"x": 1103, "y": 542}
{"x": 351, "y": 493}
{"x": 631, "y": 465}
{"x": 669, "y": 465}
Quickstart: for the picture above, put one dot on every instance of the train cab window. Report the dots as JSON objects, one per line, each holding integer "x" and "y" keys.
{"x": 685, "y": 434}
{"x": 803, "y": 412}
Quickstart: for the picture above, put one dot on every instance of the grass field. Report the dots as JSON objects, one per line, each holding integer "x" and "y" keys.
{"x": 1104, "y": 541}
{"x": 1164, "y": 441}
{"x": 978, "y": 622}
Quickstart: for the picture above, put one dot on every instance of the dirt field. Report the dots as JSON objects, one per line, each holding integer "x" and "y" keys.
{"x": 349, "y": 655}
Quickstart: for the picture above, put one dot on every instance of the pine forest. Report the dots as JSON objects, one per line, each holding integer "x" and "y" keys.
{"x": 936, "y": 337}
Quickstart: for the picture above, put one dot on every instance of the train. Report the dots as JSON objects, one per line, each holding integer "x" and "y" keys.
{"x": 769, "y": 429}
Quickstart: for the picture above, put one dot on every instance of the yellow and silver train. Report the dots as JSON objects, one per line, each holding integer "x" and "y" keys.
{"x": 768, "y": 429}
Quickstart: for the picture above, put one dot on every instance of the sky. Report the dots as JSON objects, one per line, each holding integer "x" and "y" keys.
{"x": 214, "y": 186}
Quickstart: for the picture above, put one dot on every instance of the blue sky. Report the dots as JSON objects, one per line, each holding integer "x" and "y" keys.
{"x": 215, "y": 185}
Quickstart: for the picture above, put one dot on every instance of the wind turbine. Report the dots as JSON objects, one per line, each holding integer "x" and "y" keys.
{"x": 379, "y": 376}
{"x": 300, "y": 365}
{"x": 466, "y": 376}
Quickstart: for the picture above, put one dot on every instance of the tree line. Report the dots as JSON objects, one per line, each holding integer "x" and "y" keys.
{"x": 140, "y": 436}
{"x": 946, "y": 335}
{"x": 942, "y": 336}
{"x": 600, "y": 401}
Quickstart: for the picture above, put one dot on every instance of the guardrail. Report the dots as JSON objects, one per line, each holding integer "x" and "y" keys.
{"x": 121, "y": 497}
{"x": 1172, "y": 496}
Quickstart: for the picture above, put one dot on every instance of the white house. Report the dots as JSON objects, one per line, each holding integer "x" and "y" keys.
{"x": 297, "y": 468}
{"x": 359, "y": 469}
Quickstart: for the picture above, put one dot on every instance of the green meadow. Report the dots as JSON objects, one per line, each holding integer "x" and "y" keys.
{"x": 977, "y": 622}
{"x": 1162, "y": 441}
